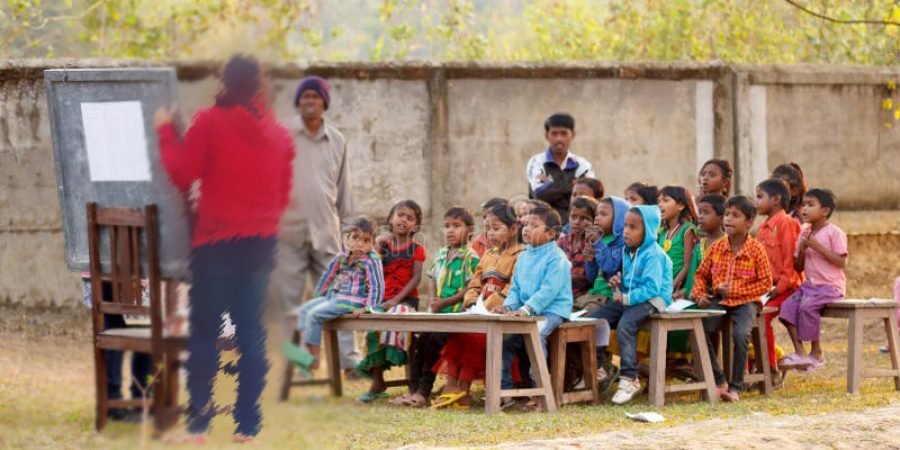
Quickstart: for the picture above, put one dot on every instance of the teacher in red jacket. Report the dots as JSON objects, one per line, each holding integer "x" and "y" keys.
{"x": 242, "y": 158}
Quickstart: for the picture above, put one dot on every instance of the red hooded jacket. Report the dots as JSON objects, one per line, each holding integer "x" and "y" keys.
{"x": 244, "y": 167}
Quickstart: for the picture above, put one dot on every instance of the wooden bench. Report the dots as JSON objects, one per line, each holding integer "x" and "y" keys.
{"x": 762, "y": 379}
{"x": 581, "y": 332}
{"x": 660, "y": 324}
{"x": 856, "y": 311}
{"x": 494, "y": 326}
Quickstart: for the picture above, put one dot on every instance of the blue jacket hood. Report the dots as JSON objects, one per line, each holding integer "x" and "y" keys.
{"x": 650, "y": 215}
{"x": 620, "y": 208}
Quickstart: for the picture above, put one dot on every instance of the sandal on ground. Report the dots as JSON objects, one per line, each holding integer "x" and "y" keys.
{"x": 370, "y": 396}
{"x": 445, "y": 400}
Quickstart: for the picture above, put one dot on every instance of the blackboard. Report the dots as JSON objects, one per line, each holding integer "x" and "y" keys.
{"x": 101, "y": 122}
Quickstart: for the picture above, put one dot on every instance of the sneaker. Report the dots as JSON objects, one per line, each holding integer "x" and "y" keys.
{"x": 627, "y": 389}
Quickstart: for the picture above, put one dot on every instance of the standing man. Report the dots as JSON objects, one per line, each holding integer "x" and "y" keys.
{"x": 321, "y": 202}
{"x": 552, "y": 173}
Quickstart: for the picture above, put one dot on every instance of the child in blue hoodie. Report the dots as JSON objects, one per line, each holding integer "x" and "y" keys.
{"x": 603, "y": 261}
{"x": 643, "y": 287}
{"x": 541, "y": 286}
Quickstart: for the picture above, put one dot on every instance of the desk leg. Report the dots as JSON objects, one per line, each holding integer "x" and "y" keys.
{"x": 702, "y": 361}
{"x": 539, "y": 361}
{"x": 334, "y": 362}
{"x": 493, "y": 368}
{"x": 657, "y": 384}
{"x": 890, "y": 327}
{"x": 855, "y": 355}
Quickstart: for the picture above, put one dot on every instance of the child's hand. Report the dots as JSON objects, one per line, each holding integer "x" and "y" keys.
{"x": 358, "y": 312}
{"x": 390, "y": 303}
{"x": 617, "y": 296}
{"x": 516, "y": 313}
{"x": 704, "y": 302}
{"x": 164, "y": 115}
{"x": 500, "y": 310}
{"x": 722, "y": 291}
{"x": 615, "y": 281}
{"x": 492, "y": 288}
{"x": 678, "y": 294}
{"x": 588, "y": 252}
{"x": 435, "y": 304}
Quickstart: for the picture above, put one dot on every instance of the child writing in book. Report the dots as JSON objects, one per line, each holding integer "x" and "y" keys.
{"x": 822, "y": 255}
{"x": 463, "y": 358}
{"x": 778, "y": 234}
{"x": 733, "y": 276}
{"x": 643, "y": 287}
{"x": 452, "y": 268}
{"x": 402, "y": 260}
{"x": 541, "y": 286}
{"x": 352, "y": 282}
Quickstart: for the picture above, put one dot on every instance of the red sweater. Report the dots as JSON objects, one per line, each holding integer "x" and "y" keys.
{"x": 244, "y": 167}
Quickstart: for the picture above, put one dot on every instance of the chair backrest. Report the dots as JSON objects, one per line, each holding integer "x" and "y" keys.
{"x": 129, "y": 233}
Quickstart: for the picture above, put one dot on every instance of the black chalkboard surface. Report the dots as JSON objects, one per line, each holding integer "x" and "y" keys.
{"x": 105, "y": 150}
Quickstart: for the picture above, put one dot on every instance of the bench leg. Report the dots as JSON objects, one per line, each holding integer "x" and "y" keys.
{"x": 288, "y": 372}
{"x": 891, "y": 329}
{"x": 539, "y": 363}
{"x": 855, "y": 353}
{"x": 761, "y": 348}
{"x": 589, "y": 366}
{"x": 493, "y": 369}
{"x": 702, "y": 362}
{"x": 334, "y": 362}
{"x": 657, "y": 388}
{"x": 557, "y": 348}
{"x": 727, "y": 346}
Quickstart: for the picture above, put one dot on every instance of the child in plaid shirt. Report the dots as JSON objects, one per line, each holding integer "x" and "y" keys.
{"x": 733, "y": 276}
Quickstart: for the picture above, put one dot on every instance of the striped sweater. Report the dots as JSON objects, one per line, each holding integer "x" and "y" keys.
{"x": 353, "y": 285}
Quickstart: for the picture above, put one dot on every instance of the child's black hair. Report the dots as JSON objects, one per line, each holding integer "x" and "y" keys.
{"x": 461, "y": 213}
{"x": 717, "y": 201}
{"x": 595, "y": 185}
{"x": 416, "y": 209}
{"x": 549, "y": 216}
{"x": 559, "y": 120}
{"x": 727, "y": 171}
{"x": 744, "y": 205}
{"x": 825, "y": 197}
{"x": 645, "y": 191}
{"x": 486, "y": 206}
{"x": 682, "y": 196}
{"x": 774, "y": 187}
{"x": 507, "y": 216}
{"x": 795, "y": 179}
{"x": 240, "y": 83}
{"x": 360, "y": 224}
{"x": 585, "y": 203}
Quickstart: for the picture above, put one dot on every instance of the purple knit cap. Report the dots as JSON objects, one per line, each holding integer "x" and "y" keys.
{"x": 315, "y": 83}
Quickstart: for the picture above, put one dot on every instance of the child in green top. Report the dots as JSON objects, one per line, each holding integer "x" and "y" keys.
{"x": 677, "y": 237}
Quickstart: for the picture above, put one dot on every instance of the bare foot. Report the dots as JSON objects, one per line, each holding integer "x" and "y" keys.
{"x": 239, "y": 438}
{"x": 181, "y": 437}
{"x": 416, "y": 401}
{"x": 400, "y": 400}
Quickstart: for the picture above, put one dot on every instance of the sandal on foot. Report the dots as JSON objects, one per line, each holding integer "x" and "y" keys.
{"x": 370, "y": 396}
{"x": 301, "y": 358}
{"x": 411, "y": 402}
{"x": 794, "y": 361}
{"x": 239, "y": 438}
{"x": 444, "y": 400}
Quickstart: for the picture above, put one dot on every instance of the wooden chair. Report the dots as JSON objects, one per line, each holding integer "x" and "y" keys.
{"x": 856, "y": 311}
{"x": 762, "y": 378}
{"x": 124, "y": 229}
{"x": 581, "y": 333}
{"x": 659, "y": 325}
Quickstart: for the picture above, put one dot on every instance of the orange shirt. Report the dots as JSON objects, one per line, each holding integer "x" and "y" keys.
{"x": 746, "y": 273}
{"x": 778, "y": 235}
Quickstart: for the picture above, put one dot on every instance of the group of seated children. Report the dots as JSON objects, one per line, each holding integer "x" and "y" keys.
{"x": 621, "y": 259}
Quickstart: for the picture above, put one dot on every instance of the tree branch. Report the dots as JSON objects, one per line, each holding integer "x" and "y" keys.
{"x": 841, "y": 21}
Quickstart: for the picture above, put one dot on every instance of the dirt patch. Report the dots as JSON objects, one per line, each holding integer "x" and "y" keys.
{"x": 873, "y": 265}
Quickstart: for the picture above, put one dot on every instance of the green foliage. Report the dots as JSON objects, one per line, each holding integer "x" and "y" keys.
{"x": 737, "y": 31}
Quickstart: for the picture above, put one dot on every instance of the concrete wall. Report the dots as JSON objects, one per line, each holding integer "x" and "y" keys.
{"x": 458, "y": 134}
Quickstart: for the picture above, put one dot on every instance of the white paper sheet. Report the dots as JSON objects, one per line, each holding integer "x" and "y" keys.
{"x": 115, "y": 140}
{"x": 679, "y": 305}
{"x": 649, "y": 417}
{"x": 479, "y": 308}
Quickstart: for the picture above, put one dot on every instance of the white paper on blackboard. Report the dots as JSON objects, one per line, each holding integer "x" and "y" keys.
{"x": 115, "y": 140}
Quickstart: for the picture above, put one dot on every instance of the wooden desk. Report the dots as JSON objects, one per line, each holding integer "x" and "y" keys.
{"x": 495, "y": 327}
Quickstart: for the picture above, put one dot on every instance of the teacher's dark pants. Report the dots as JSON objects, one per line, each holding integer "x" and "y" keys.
{"x": 228, "y": 276}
